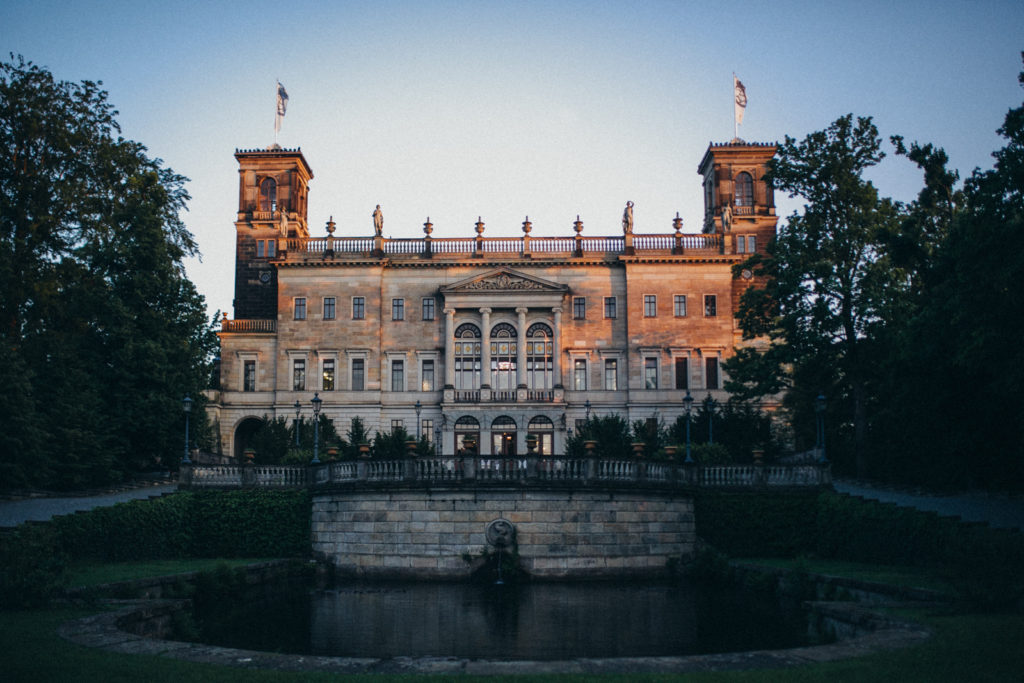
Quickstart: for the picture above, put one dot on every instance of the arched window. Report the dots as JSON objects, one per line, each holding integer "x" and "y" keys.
{"x": 268, "y": 195}
{"x": 542, "y": 428}
{"x": 467, "y": 435}
{"x": 503, "y": 436}
{"x": 467, "y": 357}
{"x": 503, "y": 357}
{"x": 538, "y": 357}
{"x": 744, "y": 189}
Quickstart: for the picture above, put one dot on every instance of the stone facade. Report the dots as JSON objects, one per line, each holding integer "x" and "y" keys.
{"x": 558, "y": 534}
{"x": 493, "y": 337}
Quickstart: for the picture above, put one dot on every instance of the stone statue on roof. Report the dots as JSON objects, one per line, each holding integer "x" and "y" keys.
{"x": 378, "y": 221}
{"x": 627, "y": 219}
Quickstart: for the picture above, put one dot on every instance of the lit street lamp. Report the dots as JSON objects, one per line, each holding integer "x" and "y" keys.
{"x": 819, "y": 413}
{"x": 316, "y": 427}
{"x": 709, "y": 408}
{"x": 688, "y": 404}
{"x": 298, "y": 414}
{"x": 419, "y": 407}
{"x": 186, "y": 405}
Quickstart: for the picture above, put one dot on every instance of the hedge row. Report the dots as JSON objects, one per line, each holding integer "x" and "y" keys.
{"x": 186, "y": 524}
{"x": 841, "y": 527}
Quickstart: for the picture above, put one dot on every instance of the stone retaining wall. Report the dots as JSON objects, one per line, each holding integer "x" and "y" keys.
{"x": 560, "y": 534}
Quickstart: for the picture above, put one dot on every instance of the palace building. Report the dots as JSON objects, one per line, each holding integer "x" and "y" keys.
{"x": 489, "y": 338}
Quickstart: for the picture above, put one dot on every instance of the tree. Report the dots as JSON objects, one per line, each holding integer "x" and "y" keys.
{"x": 828, "y": 276}
{"x": 96, "y": 314}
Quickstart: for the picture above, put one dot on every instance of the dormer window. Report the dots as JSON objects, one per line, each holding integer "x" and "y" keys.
{"x": 744, "y": 189}
{"x": 268, "y": 195}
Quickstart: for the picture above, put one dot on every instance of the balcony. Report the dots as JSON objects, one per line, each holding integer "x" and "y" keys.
{"x": 504, "y": 396}
{"x": 253, "y": 326}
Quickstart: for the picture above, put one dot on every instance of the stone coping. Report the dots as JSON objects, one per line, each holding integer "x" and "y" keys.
{"x": 873, "y": 590}
{"x": 868, "y": 631}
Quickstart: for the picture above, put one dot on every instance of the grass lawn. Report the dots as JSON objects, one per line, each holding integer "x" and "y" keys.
{"x": 913, "y": 577}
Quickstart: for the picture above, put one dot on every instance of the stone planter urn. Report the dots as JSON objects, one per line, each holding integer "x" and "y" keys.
{"x": 588, "y": 446}
{"x": 758, "y": 456}
{"x": 531, "y": 444}
{"x": 364, "y": 450}
{"x": 671, "y": 451}
{"x": 410, "y": 448}
{"x": 332, "y": 452}
{"x": 469, "y": 445}
{"x": 638, "y": 449}
{"x": 250, "y": 455}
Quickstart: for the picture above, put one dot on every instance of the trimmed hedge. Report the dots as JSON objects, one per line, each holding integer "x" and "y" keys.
{"x": 213, "y": 524}
{"x": 757, "y": 524}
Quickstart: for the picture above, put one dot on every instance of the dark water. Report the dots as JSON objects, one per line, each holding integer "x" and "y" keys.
{"x": 544, "y": 621}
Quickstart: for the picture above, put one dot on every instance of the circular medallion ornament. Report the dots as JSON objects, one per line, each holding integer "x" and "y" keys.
{"x": 500, "y": 533}
{"x": 747, "y": 274}
{"x": 265, "y": 276}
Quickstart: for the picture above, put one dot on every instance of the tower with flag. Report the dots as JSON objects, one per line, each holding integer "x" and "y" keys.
{"x": 740, "y": 104}
{"x": 282, "y": 107}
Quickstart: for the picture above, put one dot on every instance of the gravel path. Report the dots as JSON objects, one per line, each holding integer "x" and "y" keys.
{"x": 13, "y": 513}
{"x": 999, "y": 511}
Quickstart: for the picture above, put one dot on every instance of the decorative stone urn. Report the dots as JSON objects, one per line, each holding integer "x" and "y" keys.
{"x": 638, "y": 449}
{"x": 671, "y": 451}
{"x": 410, "y": 448}
{"x": 589, "y": 446}
{"x": 364, "y": 450}
{"x": 531, "y": 444}
{"x": 249, "y": 454}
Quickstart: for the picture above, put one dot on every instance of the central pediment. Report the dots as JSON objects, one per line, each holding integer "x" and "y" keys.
{"x": 504, "y": 280}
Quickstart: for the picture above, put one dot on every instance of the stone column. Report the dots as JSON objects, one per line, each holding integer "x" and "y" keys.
{"x": 449, "y": 348}
{"x": 485, "y": 349}
{"x": 521, "y": 350}
{"x": 556, "y": 348}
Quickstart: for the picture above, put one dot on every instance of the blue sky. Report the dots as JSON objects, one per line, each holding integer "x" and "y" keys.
{"x": 552, "y": 109}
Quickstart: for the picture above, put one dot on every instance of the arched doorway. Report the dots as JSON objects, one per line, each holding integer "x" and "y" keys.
{"x": 503, "y": 436}
{"x": 243, "y": 436}
{"x": 544, "y": 429}
{"x": 467, "y": 435}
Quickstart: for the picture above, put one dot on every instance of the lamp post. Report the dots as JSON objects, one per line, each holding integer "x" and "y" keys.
{"x": 709, "y": 408}
{"x": 688, "y": 405}
{"x": 418, "y": 407}
{"x": 298, "y": 414}
{"x": 316, "y": 427}
{"x": 586, "y": 406}
{"x": 437, "y": 440}
{"x": 819, "y": 413}
{"x": 186, "y": 405}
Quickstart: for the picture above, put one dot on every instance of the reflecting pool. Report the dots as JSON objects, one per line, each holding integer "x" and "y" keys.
{"x": 540, "y": 621}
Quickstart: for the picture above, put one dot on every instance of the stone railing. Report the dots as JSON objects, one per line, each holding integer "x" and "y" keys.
{"x": 366, "y": 247}
{"x": 521, "y": 471}
{"x": 248, "y": 325}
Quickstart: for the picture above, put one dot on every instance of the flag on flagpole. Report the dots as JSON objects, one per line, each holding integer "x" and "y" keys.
{"x": 741, "y": 98}
{"x": 282, "y": 106}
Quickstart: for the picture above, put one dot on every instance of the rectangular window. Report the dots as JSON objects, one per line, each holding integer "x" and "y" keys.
{"x": 428, "y": 309}
{"x": 397, "y": 375}
{"x": 650, "y": 306}
{"x": 395, "y": 424}
{"x": 298, "y": 375}
{"x": 261, "y": 249}
{"x": 679, "y": 305}
{"x": 682, "y": 373}
{"x": 427, "y": 430}
{"x": 358, "y": 308}
{"x": 609, "y": 307}
{"x": 579, "y": 374}
{"x": 580, "y": 422}
{"x": 329, "y": 307}
{"x": 751, "y": 244}
{"x": 711, "y": 372}
{"x": 650, "y": 373}
{"x": 398, "y": 309}
{"x": 427, "y": 375}
{"x": 300, "y": 308}
{"x": 710, "y": 305}
{"x": 358, "y": 374}
{"x": 328, "y": 383}
{"x": 611, "y": 375}
{"x": 271, "y": 248}
{"x": 741, "y": 244}
{"x": 249, "y": 376}
{"x": 579, "y": 308}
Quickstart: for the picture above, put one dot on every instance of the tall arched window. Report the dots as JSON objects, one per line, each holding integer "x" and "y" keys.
{"x": 744, "y": 189}
{"x": 503, "y": 436}
{"x": 542, "y": 428}
{"x": 467, "y": 357}
{"x": 467, "y": 435}
{"x": 503, "y": 357}
{"x": 538, "y": 357}
{"x": 268, "y": 195}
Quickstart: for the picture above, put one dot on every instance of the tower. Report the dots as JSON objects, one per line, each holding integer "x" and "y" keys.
{"x": 273, "y": 185}
{"x": 736, "y": 197}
